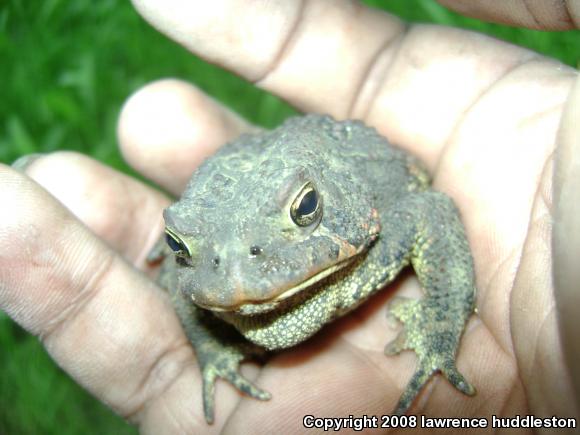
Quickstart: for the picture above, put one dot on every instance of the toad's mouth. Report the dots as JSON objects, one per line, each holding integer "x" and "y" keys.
{"x": 298, "y": 316}
{"x": 252, "y": 308}
{"x": 259, "y": 307}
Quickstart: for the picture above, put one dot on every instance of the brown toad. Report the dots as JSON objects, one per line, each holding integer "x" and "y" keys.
{"x": 281, "y": 232}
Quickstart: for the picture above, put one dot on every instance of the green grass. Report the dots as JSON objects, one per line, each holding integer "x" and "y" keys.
{"x": 66, "y": 68}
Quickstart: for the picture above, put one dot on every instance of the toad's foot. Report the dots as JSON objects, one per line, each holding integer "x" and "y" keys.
{"x": 433, "y": 331}
{"x": 223, "y": 362}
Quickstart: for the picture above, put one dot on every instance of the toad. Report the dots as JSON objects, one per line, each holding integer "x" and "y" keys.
{"x": 282, "y": 231}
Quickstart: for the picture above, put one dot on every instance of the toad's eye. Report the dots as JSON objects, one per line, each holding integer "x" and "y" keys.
{"x": 176, "y": 244}
{"x": 306, "y": 207}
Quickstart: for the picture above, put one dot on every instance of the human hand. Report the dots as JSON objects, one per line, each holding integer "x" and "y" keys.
{"x": 482, "y": 115}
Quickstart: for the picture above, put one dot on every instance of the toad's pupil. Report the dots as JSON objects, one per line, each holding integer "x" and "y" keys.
{"x": 173, "y": 244}
{"x": 308, "y": 204}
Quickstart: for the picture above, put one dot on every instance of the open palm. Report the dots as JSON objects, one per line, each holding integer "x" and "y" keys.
{"x": 483, "y": 115}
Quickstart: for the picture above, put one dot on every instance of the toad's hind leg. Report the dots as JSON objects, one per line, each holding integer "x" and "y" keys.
{"x": 433, "y": 325}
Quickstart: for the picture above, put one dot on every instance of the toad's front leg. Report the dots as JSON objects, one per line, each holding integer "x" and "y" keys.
{"x": 219, "y": 349}
{"x": 438, "y": 250}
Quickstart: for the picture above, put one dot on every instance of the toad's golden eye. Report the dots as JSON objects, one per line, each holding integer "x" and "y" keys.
{"x": 306, "y": 207}
{"x": 176, "y": 244}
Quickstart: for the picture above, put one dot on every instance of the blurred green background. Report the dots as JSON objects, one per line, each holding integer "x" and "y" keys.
{"x": 65, "y": 68}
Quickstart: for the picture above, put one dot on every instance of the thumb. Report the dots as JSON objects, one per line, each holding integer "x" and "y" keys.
{"x": 534, "y": 14}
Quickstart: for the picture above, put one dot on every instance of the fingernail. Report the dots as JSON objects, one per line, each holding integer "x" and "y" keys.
{"x": 23, "y": 163}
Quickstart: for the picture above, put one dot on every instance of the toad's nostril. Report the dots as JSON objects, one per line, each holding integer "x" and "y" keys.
{"x": 255, "y": 250}
{"x": 215, "y": 262}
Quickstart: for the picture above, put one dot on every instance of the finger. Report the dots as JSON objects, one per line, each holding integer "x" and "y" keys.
{"x": 316, "y": 53}
{"x": 104, "y": 323}
{"x": 535, "y": 14}
{"x": 566, "y": 251}
{"x": 167, "y": 128}
{"x": 414, "y": 84}
{"x": 123, "y": 211}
